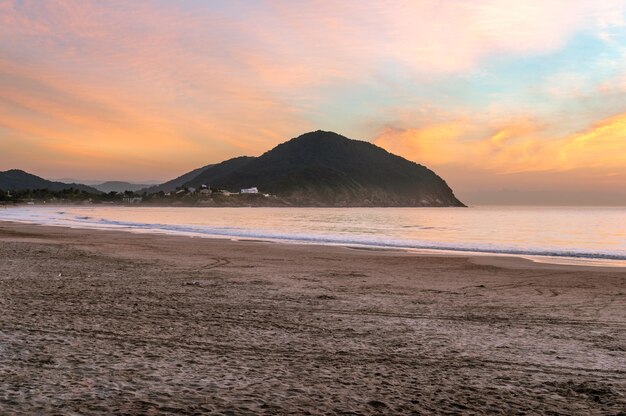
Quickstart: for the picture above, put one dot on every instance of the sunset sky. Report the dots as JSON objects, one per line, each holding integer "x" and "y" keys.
{"x": 507, "y": 101}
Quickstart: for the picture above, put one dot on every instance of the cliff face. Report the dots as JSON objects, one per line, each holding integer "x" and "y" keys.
{"x": 326, "y": 169}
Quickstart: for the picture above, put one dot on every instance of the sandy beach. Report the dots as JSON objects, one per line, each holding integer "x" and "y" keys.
{"x": 104, "y": 322}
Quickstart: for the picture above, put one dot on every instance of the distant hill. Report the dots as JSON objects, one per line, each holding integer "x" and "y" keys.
{"x": 118, "y": 186}
{"x": 175, "y": 183}
{"x": 18, "y": 180}
{"x": 88, "y": 182}
{"x": 326, "y": 169}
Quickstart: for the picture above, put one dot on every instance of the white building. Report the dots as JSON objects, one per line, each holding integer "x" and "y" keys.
{"x": 253, "y": 190}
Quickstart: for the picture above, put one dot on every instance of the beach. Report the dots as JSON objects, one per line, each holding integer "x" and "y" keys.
{"x": 112, "y": 322}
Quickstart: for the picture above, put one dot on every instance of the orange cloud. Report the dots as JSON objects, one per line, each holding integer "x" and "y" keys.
{"x": 434, "y": 144}
{"x": 514, "y": 147}
{"x": 157, "y": 88}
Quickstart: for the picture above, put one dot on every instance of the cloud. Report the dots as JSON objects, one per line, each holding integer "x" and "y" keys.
{"x": 513, "y": 147}
{"x": 440, "y": 36}
{"x": 104, "y": 91}
{"x": 161, "y": 87}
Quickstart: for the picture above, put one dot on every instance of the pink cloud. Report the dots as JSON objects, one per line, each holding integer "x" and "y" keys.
{"x": 197, "y": 84}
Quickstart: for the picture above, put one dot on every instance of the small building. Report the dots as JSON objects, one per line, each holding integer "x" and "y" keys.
{"x": 252, "y": 190}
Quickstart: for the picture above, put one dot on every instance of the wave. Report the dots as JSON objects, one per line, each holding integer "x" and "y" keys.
{"x": 308, "y": 238}
{"x": 235, "y": 232}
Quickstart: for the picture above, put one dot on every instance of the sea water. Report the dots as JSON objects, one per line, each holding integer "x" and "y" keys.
{"x": 558, "y": 234}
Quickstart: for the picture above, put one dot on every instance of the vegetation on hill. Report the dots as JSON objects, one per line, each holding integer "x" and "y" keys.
{"x": 326, "y": 169}
{"x": 68, "y": 195}
{"x": 119, "y": 186}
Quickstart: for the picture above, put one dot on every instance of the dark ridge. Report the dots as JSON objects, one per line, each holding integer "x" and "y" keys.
{"x": 18, "y": 180}
{"x": 326, "y": 169}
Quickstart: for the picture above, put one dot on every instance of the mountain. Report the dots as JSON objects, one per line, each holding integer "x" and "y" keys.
{"x": 118, "y": 186}
{"x": 18, "y": 180}
{"x": 175, "y": 183}
{"x": 215, "y": 174}
{"x": 326, "y": 169}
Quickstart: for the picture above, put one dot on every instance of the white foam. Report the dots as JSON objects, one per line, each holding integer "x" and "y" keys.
{"x": 63, "y": 218}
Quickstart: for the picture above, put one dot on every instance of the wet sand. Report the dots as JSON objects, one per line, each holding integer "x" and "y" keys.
{"x": 102, "y": 322}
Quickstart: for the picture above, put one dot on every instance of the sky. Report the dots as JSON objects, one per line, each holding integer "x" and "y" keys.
{"x": 510, "y": 102}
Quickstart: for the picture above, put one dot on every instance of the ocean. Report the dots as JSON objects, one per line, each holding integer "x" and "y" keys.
{"x": 580, "y": 235}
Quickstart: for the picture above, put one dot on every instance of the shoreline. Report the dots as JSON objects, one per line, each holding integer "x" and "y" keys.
{"x": 101, "y": 322}
{"x": 226, "y": 204}
{"x": 509, "y": 260}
